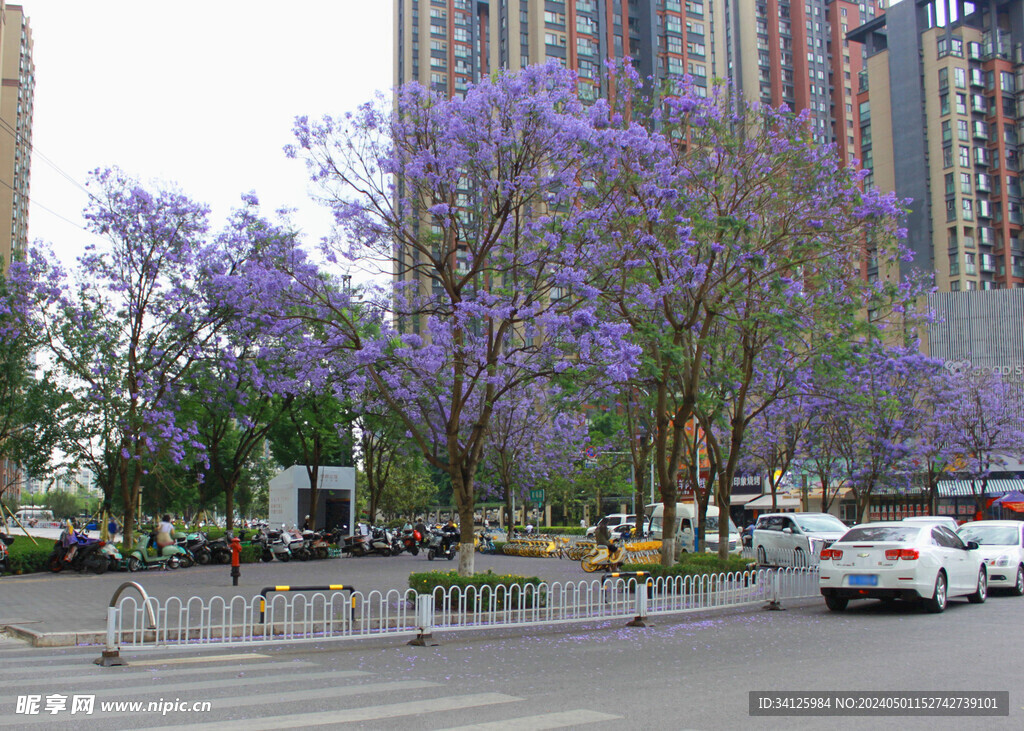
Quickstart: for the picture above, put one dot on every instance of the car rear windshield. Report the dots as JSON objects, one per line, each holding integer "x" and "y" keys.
{"x": 874, "y": 534}
{"x": 820, "y": 524}
{"x": 990, "y": 535}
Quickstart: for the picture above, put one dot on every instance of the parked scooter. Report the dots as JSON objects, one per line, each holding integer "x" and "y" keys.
{"x": 381, "y": 542}
{"x": 196, "y": 546}
{"x": 140, "y": 559}
{"x": 601, "y": 558}
{"x": 274, "y": 545}
{"x": 408, "y": 540}
{"x": 220, "y": 549}
{"x": 358, "y": 544}
{"x": 5, "y": 556}
{"x": 76, "y": 550}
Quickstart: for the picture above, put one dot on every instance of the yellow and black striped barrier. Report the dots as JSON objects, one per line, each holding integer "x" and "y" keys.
{"x": 329, "y": 587}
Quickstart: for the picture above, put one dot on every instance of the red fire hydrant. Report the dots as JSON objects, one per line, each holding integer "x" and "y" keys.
{"x": 236, "y": 560}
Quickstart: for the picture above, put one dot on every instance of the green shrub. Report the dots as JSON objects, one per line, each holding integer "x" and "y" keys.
{"x": 499, "y": 546}
{"x": 26, "y": 557}
{"x": 695, "y": 564}
{"x": 250, "y": 553}
{"x": 516, "y": 586}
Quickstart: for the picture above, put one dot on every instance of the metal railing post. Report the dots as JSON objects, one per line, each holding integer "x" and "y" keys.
{"x": 424, "y": 622}
{"x": 775, "y": 603}
{"x": 641, "y": 605}
{"x": 111, "y": 656}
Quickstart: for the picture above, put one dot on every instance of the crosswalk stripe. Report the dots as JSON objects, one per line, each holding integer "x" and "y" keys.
{"x": 354, "y": 715}
{"x": 187, "y": 660}
{"x": 24, "y": 674}
{"x": 298, "y": 696}
{"x": 101, "y": 686}
{"x": 562, "y": 719}
{"x": 207, "y": 658}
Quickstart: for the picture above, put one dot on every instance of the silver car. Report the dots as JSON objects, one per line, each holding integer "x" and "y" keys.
{"x": 794, "y": 538}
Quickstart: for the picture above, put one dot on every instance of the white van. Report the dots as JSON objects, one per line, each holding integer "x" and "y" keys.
{"x": 41, "y": 515}
{"x": 686, "y": 522}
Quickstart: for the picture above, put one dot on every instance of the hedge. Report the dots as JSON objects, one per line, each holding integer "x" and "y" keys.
{"x": 26, "y": 557}
{"x": 695, "y": 564}
{"x": 428, "y": 582}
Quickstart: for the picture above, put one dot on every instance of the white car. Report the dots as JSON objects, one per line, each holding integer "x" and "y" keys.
{"x": 897, "y": 560}
{"x": 613, "y": 521}
{"x": 1001, "y": 544}
{"x": 792, "y": 538}
{"x": 934, "y": 520}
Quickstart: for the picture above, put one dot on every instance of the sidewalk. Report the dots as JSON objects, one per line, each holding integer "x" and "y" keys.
{"x": 70, "y": 608}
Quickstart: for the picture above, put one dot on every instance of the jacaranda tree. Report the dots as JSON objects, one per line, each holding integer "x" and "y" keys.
{"x": 474, "y": 203}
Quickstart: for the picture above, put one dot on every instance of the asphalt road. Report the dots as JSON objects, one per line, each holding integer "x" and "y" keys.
{"x": 690, "y": 671}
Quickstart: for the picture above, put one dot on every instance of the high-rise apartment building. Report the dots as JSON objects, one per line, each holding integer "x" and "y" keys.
{"x": 17, "y": 89}
{"x": 776, "y": 51}
{"x": 941, "y": 121}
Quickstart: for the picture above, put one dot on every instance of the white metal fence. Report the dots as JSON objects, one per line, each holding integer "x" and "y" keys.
{"x": 145, "y": 623}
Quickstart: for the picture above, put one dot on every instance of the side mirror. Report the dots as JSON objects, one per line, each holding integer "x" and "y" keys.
{"x": 972, "y": 545}
{"x": 787, "y": 530}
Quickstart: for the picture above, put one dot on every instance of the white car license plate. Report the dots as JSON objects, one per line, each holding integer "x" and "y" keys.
{"x": 864, "y": 580}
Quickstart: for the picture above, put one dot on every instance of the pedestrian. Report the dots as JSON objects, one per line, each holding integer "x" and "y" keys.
{"x": 164, "y": 531}
{"x": 112, "y": 528}
{"x": 583, "y": 524}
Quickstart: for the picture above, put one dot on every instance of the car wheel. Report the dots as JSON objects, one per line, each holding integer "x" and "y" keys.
{"x": 1018, "y": 586}
{"x": 981, "y": 593}
{"x": 836, "y": 603}
{"x": 762, "y": 558}
{"x": 937, "y": 603}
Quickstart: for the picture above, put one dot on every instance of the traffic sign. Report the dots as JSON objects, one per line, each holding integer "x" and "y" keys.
{"x": 537, "y": 496}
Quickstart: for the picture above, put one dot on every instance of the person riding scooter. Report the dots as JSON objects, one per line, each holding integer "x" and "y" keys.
{"x": 451, "y": 534}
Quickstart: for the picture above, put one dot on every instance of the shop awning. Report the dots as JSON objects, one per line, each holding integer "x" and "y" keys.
{"x": 964, "y": 488}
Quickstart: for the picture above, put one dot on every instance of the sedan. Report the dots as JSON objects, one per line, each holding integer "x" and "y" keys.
{"x": 1001, "y": 544}
{"x": 914, "y": 562}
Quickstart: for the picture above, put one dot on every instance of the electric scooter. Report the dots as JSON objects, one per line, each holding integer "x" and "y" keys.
{"x": 141, "y": 560}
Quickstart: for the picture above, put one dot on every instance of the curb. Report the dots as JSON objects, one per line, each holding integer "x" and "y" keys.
{"x": 54, "y": 639}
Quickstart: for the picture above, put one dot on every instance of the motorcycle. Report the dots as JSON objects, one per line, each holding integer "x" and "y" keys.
{"x": 167, "y": 558}
{"x": 442, "y": 544}
{"x": 358, "y": 544}
{"x": 273, "y": 544}
{"x": 196, "y": 546}
{"x": 5, "y": 556}
{"x": 220, "y": 549}
{"x": 408, "y": 540}
{"x": 299, "y": 543}
{"x": 75, "y": 549}
{"x": 380, "y": 542}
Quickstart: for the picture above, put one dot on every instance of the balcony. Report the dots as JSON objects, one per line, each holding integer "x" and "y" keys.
{"x": 986, "y": 235}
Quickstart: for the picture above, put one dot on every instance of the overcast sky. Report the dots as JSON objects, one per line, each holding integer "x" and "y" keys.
{"x": 201, "y": 94}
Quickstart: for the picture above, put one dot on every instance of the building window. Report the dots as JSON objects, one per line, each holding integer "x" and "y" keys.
{"x": 960, "y": 78}
{"x": 965, "y": 183}
{"x": 965, "y": 156}
{"x": 961, "y": 104}
{"x": 943, "y": 104}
